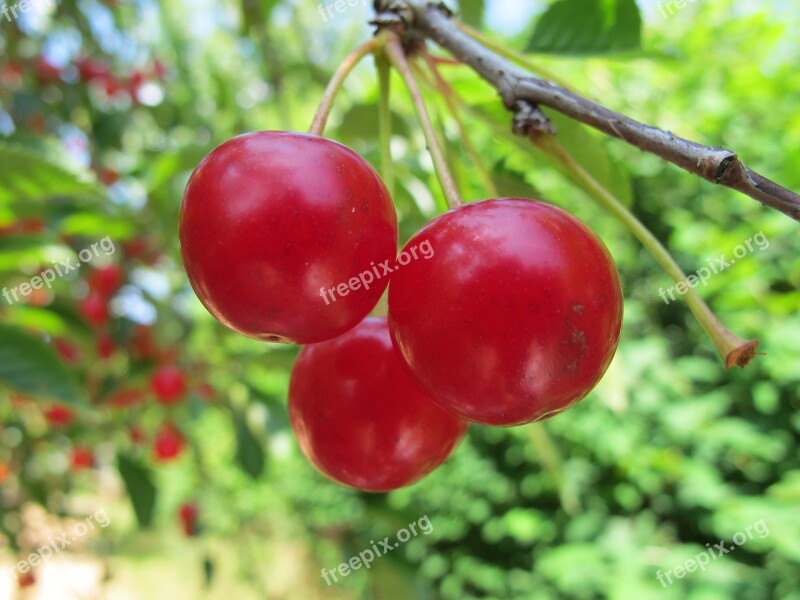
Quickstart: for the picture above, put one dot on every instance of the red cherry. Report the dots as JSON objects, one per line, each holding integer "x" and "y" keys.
{"x": 125, "y": 398}
{"x": 359, "y": 416}
{"x": 94, "y": 308}
{"x": 82, "y": 458}
{"x": 271, "y": 218}
{"x": 5, "y": 471}
{"x": 187, "y": 515}
{"x": 105, "y": 281}
{"x": 168, "y": 384}
{"x": 67, "y": 350}
{"x": 26, "y": 580}
{"x": 90, "y": 69}
{"x": 105, "y": 346}
{"x": 142, "y": 344}
{"x": 46, "y": 71}
{"x": 59, "y": 415}
{"x": 515, "y": 318}
{"x": 169, "y": 442}
{"x": 136, "y": 434}
{"x": 160, "y": 69}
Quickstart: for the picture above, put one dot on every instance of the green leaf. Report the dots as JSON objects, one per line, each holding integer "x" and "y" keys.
{"x": 30, "y": 366}
{"x": 249, "y": 452}
{"x": 588, "y": 27}
{"x": 27, "y": 175}
{"x": 139, "y": 483}
{"x": 472, "y": 11}
{"x": 511, "y": 183}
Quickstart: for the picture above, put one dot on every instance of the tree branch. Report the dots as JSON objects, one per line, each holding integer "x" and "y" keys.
{"x": 522, "y": 92}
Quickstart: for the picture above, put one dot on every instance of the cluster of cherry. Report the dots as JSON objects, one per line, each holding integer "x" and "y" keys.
{"x": 515, "y": 318}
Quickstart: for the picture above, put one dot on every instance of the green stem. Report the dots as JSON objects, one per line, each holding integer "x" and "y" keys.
{"x": 733, "y": 350}
{"x": 385, "y": 119}
{"x": 448, "y": 94}
{"x": 394, "y": 50}
{"x": 339, "y": 77}
{"x": 515, "y": 57}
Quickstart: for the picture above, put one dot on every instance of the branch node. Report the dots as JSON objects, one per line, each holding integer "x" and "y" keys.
{"x": 529, "y": 120}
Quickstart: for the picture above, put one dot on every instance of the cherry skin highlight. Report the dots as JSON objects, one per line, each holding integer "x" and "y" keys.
{"x": 360, "y": 418}
{"x": 271, "y": 219}
{"x": 515, "y": 318}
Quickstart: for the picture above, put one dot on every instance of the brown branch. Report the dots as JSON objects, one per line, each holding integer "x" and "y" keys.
{"x": 522, "y": 91}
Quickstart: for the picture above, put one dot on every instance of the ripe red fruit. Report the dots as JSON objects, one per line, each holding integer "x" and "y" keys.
{"x": 59, "y": 415}
{"x": 105, "y": 281}
{"x": 360, "y": 418}
{"x": 124, "y": 398}
{"x": 5, "y": 471}
{"x": 168, "y": 384}
{"x": 82, "y": 458}
{"x": 67, "y": 350}
{"x": 269, "y": 218}
{"x": 46, "y": 71}
{"x": 136, "y": 434}
{"x": 169, "y": 442}
{"x": 105, "y": 346}
{"x": 90, "y": 69}
{"x": 515, "y": 318}
{"x": 26, "y": 580}
{"x": 187, "y": 515}
{"x": 94, "y": 308}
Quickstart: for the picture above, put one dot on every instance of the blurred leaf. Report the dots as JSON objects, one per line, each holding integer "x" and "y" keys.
{"x": 511, "y": 183}
{"x": 139, "y": 483}
{"x": 472, "y": 11}
{"x": 26, "y": 175}
{"x": 590, "y": 152}
{"x": 249, "y": 452}
{"x": 30, "y": 366}
{"x": 588, "y": 27}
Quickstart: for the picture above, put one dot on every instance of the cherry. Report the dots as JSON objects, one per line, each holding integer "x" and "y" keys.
{"x": 124, "y": 398}
{"x": 359, "y": 416}
{"x": 168, "y": 384}
{"x": 105, "y": 346}
{"x": 90, "y": 69}
{"x": 515, "y": 318}
{"x": 272, "y": 221}
{"x": 105, "y": 281}
{"x": 169, "y": 442}
{"x": 187, "y": 515}
{"x": 59, "y": 415}
{"x": 94, "y": 308}
{"x": 5, "y": 471}
{"x": 136, "y": 434}
{"x": 82, "y": 458}
{"x": 67, "y": 350}
{"x": 46, "y": 71}
{"x": 26, "y": 580}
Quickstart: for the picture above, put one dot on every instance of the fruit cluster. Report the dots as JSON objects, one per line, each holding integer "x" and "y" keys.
{"x": 514, "y": 320}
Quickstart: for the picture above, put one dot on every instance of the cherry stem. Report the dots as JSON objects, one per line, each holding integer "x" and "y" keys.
{"x": 733, "y": 350}
{"x": 385, "y": 120}
{"x": 521, "y": 59}
{"x": 339, "y": 77}
{"x": 449, "y": 94}
{"x": 397, "y": 56}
